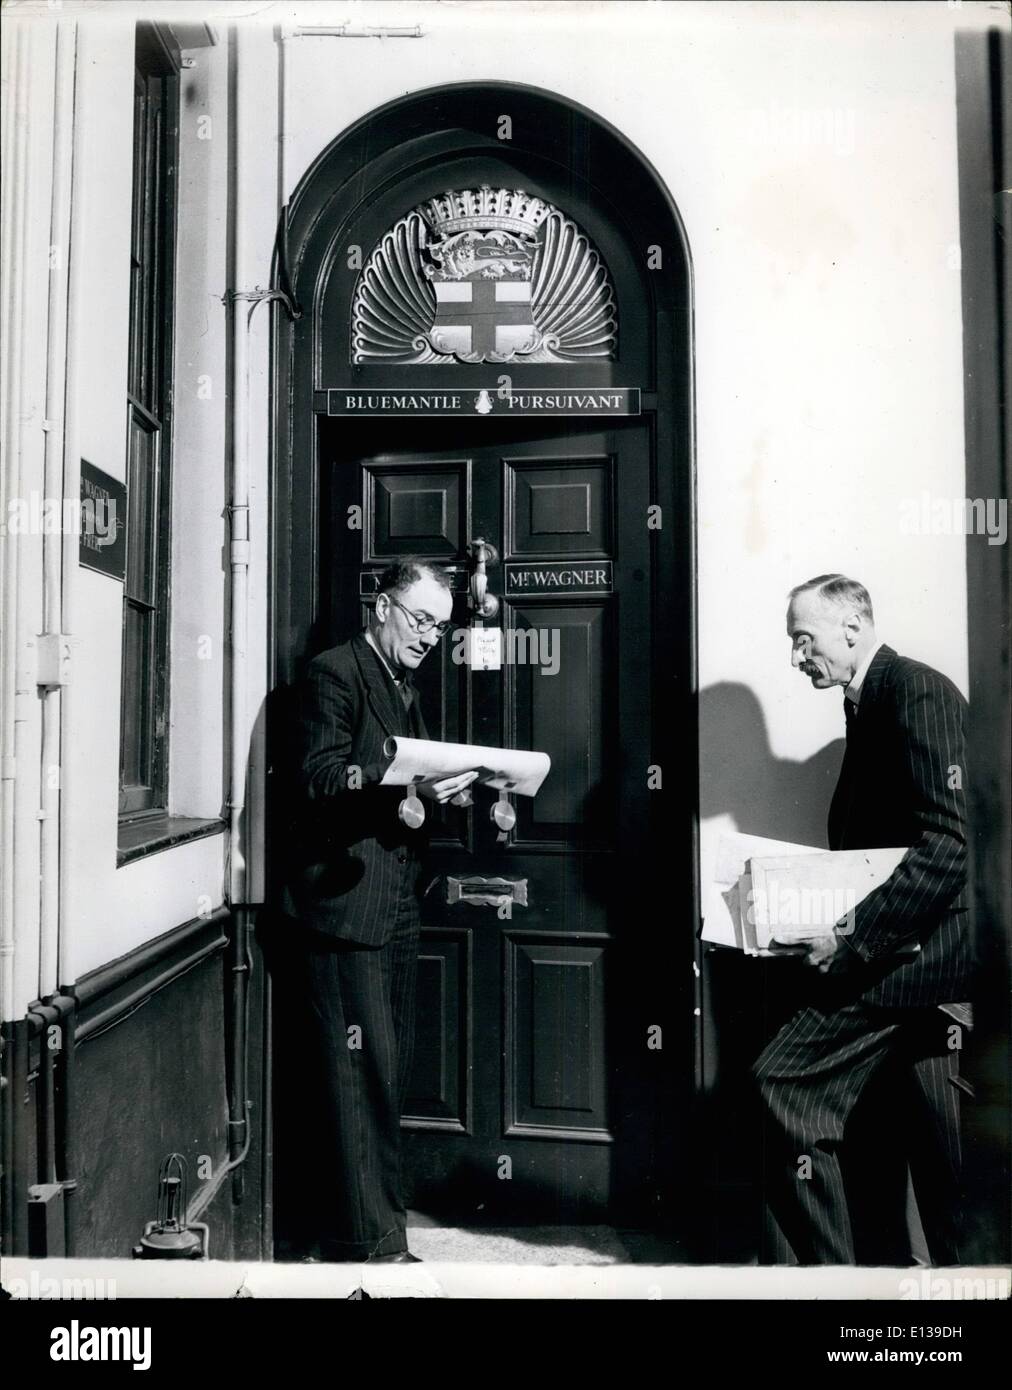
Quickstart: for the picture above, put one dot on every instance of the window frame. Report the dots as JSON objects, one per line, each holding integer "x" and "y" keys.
{"x": 149, "y": 402}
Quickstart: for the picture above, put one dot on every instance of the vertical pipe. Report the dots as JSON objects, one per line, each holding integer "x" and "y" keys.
{"x": 238, "y": 1121}
{"x": 17, "y": 55}
{"x": 44, "y": 1018}
{"x": 243, "y": 300}
{"x": 55, "y": 547}
{"x": 281, "y": 38}
{"x": 18, "y": 1176}
{"x": 66, "y": 1126}
{"x": 267, "y": 1121}
{"x": 239, "y": 548}
{"x": 76, "y": 344}
{"x": 239, "y": 552}
{"x": 49, "y": 848}
{"x": 6, "y": 1134}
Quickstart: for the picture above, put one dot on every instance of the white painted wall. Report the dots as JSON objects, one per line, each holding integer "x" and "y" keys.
{"x": 108, "y": 911}
{"x": 811, "y": 152}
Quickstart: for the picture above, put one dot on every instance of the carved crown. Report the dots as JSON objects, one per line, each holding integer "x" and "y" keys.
{"x": 479, "y": 209}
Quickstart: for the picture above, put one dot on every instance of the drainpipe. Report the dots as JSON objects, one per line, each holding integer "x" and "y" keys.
{"x": 13, "y": 290}
{"x": 239, "y": 1130}
{"x": 30, "y": 866}
{"x": 50, "y": 1195}
{"x": 238, "y": 502}
{"x": 244, "y": 159}
{"x": 237, "y": 506}
{"x": 17, "y": 52}
{"x": 59, "y": 551}
{"x": 54, "y": 1019}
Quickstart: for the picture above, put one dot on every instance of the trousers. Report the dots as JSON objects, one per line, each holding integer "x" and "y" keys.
{"x": 811, "y": 1076}
{"x": 361, "y": 1012}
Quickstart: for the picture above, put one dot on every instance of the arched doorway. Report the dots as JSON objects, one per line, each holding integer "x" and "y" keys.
{"x": 495, "y": 343}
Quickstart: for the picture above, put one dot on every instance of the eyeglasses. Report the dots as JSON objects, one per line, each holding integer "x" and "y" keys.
{"x": 422, "y": 622}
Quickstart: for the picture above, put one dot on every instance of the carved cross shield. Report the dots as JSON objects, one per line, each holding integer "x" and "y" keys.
{"x": 483, "y": 320}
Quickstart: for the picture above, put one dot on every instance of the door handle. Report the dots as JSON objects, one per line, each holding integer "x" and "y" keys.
{"x": 483, "y": 553}
{"x": 486, "y": 892}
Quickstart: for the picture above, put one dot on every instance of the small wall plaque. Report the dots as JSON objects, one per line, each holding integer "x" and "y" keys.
{"x": 103, "y": 522}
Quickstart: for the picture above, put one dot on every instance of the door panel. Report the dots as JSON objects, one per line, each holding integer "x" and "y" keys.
{"x": 565, "y": 716}
{"x": 554, "y": 989}
{"x": 526, "y": 1045}
{"x": 440, "y": 1090}
{"x": 559, "y": 510}
{"x": 421, "y": 510}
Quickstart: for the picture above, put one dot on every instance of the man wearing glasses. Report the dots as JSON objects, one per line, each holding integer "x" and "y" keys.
{"x": 353, "y": 907}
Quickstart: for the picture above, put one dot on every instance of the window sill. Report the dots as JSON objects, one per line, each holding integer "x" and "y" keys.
{"x": 139, "y": 838}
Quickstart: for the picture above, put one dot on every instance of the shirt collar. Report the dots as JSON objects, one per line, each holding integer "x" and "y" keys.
{"x": 397, "y": 680}
{"x": 853, "y": 690}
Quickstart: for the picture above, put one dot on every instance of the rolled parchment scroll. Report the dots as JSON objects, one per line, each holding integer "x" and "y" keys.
{"x": 424, "y": 760}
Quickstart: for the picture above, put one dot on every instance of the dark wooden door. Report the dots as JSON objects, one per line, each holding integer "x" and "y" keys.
{"x": 536, "y": 1087}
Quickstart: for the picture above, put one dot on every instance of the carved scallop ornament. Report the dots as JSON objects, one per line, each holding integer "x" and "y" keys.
{"x": 484, "y": 275}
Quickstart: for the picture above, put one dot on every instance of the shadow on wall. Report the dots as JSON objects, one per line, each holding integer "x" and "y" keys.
{"x": 745, "y": 1001}
{"x": 740, "y": 777}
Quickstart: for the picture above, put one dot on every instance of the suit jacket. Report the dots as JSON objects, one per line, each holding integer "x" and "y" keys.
{"x": 901, "y": 783}
{"x": 350, "y": 855}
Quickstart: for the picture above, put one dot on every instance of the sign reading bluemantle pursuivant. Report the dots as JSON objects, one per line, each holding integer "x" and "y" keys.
{"x": 613, "y": 400}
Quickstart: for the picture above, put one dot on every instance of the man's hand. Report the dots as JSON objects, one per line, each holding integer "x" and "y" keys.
{"x": 449, "y": 787}
{"x": 821, "y": 952}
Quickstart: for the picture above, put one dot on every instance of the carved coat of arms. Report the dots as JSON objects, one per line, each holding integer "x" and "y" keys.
{"x": 483, "y": 275}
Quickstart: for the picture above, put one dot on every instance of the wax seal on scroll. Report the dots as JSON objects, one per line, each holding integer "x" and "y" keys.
{"x": 411, "y": 811}
{"x": 503, "y": 814}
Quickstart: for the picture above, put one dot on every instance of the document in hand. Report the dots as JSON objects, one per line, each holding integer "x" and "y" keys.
{"x": 724, "y": 921}
{"x": 415, "y": 760}
{"x": 767, "y": 893}
{"x": 805, "y": 895}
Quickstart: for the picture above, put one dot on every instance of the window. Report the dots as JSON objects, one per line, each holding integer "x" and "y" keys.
{"x": 145, "y": 682}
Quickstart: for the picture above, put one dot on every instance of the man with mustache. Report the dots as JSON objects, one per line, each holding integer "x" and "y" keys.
{"x": 352, "y": 908}
{"x": 886, "y": 987}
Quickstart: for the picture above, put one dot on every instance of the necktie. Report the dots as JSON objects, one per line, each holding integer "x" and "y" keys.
{"x": 849, "y": 714}
{"x": 406, "y": 692}
{"x": 409, "y": 695}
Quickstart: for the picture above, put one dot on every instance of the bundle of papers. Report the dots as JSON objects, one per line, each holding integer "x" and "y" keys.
{"x": 415, "y": 760}
{"x": 768, "y": 893}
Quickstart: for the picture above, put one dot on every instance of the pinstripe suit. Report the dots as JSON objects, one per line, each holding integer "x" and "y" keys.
{"x": 351, "y": 900}
{"x": 900, "y": 784}
{"x": 350, "y": 853}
